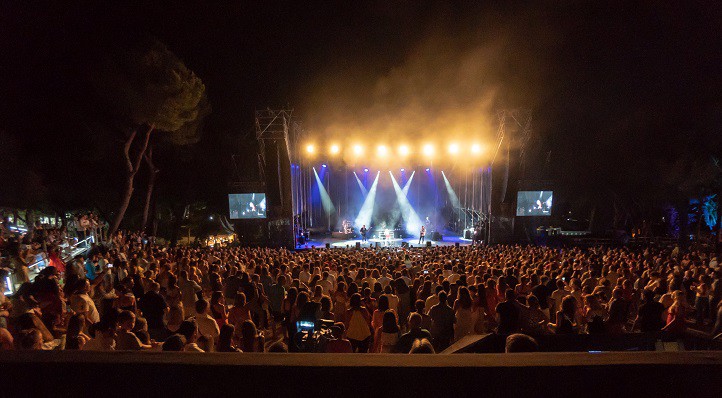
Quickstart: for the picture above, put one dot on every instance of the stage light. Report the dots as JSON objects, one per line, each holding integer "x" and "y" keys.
{"x": 408, "y": 214}
{"x": 358, "y": 150}
{"x": 453, "y": 198}
{"x": 428, "y": 169}
{"x": 476, "y": 149}
{"x": 402, "y": 170}
{"x": 381, "y": 150}
{"x": 403, "y": 150}
{"x": 310, "y": 148}
{"x": 323, "y": 165}
{"x": 326, "y": 201}
{"x": 428, "y": 150}
{"x": 367, "y": 208}
{"x": 454, "y": 148}
{"x": 366, "y": 170}
{"x": 335, "y": 149}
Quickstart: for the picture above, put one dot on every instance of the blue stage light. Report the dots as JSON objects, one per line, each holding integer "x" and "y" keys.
{"x": 402, "y": 170}
{"x": 428, "y": 169}
{"x": 323, "y": 165}
{"x": 366, "y": 170}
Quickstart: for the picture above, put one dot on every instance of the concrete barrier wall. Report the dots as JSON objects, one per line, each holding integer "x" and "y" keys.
{"x": 128, "y": 374}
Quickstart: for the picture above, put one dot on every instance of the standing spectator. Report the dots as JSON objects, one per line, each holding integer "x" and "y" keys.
{"x": 189, "y": 291}
{"x": 81, "y": 303}
{"x": 154, "y": 308}
{"x": 207, "y": 325}
{"x": 442, "y": 323}
{"x": 649, "y": 318}
{"x": 508, "y": 314}
{"x": 387, "y": 335}
{"x": 465, "y": 317}
{"x": 415, "y": 332}
{"x": 358, "y": 325}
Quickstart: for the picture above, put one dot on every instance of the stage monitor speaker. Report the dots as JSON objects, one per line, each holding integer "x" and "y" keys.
{"x": 358, "y": 245}
{"x": 428, "y": 244}
{"x": 436, "y": 236}
{"x": 328, "y": 245}
{"x": 467, "y": 234}
{"x": 456, "y": 244}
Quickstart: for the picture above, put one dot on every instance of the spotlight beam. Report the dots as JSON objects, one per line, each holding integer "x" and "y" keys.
{"x": 405, "y": 190}
{"x": 326, "y": 201}
{"x": 413, "y": 222}
{"x": 452, "y": 195}
{"x": 367, "y": 209}
{"x": 361, "y": 185}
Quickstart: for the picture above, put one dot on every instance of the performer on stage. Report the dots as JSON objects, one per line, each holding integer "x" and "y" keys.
{"x": 363, "y": 231}
{"x": 422, "y": 234}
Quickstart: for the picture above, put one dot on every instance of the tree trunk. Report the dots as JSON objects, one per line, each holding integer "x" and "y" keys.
{"x": 153, "y": 174}
{"x": 132, "y": 168}
{"x": 154, "y": 216}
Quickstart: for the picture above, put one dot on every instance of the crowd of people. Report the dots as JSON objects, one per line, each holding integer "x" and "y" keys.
{"x": 131, "y": 294}
{"x": 44, "y": 244}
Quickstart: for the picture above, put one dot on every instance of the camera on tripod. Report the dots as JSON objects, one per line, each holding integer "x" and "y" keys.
{"x": 311, "y": 336}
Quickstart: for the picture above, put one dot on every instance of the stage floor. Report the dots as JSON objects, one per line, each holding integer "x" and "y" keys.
{"x": 413, "y": 242}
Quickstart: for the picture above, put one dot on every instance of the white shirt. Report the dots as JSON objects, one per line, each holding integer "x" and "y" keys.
{"x": 83, "y": 303}
{"x": 207, "y": 326}
{"x": 430, "y": 302}
{"x": 393, "y": 302}
{"x": 384, "y": 281}
{"x": 326, "y": 285}
{"x": 100, "y": 343}
{"x": 304, "y": 276}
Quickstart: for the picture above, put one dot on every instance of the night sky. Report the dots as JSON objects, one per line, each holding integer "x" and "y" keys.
{"x": 619, "y": 90}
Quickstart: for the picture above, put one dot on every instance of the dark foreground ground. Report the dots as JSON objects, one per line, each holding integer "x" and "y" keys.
{"x": 127, "y": 374}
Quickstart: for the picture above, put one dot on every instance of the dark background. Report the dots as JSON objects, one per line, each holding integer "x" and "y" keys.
{"x": 626, "y": 95}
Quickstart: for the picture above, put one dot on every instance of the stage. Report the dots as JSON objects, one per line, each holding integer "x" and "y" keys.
{"x": 336, "y": 243}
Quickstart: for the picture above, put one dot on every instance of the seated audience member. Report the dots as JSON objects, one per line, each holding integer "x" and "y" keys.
{"x": 104, "y": 339}
{"x": 251, "y": 340}
{"x": 416, "y": 332}
{"x": 189, "y": 330}
{"x": 520, "y": 343}
{"x": 29, "y": 339}
{"x": 225, "y": 339}
{"x": 338, "y": 344}
{"x": 175, "y": 342}
{"x": 278, "y": 347}
{"x": 126, "y": 339}
{"x": 422, "y": 346}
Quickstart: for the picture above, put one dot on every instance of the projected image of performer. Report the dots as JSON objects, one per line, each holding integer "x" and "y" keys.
{"x": 363, "y": 231}
{"x": 422, "y": 234}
